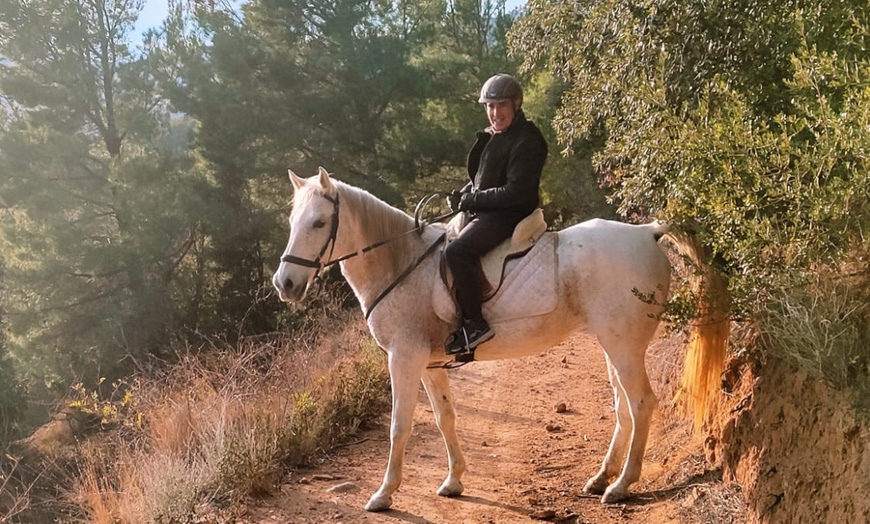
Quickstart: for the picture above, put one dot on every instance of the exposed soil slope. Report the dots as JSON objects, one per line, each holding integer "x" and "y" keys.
{"x": 795, "y": 445}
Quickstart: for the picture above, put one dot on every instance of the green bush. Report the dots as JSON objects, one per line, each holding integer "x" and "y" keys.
{"x": 746, "y": 122}
{"x": 356, "y": 393}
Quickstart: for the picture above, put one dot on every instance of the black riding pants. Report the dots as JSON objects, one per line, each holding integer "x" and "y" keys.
{"x": 479, "y": 237}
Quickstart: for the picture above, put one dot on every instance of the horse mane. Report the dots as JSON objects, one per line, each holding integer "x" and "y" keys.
{"x": 381, "y": 218}
{"x": 382, "y": 221}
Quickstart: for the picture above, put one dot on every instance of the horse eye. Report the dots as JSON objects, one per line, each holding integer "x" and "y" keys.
{"x": 318, "y": 224}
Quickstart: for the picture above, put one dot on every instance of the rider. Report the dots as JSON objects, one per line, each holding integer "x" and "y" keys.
{"x": 504, "y": 165}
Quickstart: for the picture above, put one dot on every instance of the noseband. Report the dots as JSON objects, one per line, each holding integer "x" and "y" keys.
{"x": 333, "y": 232}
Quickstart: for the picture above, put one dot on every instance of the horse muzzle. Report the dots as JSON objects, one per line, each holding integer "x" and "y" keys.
{"x": 289, "y": 289}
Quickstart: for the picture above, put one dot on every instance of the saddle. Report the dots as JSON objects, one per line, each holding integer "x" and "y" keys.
{"x": 493, "y": 264}
{"x": 521, "y": 275}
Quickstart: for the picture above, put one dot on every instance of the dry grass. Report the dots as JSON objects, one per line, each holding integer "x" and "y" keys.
{"x": 14, "y": 494}
{"x": 713, "y": 502}
{"x": 824, "y": 328}
{"x": 226, "y": 423}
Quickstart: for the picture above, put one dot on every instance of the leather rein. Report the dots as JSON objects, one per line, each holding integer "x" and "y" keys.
{"x": 319, "y": 265}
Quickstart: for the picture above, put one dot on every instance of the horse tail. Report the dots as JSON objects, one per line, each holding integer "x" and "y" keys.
{"x": 659, "y": 228}
{"x": 708, "y": 338}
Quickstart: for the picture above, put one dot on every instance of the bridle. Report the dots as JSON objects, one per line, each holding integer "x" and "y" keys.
{"x": 319, "y": 265}
{"x": 333, "y": 232}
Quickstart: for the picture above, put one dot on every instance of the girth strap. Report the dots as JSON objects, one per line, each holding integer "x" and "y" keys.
{"x": 404, "y": 274}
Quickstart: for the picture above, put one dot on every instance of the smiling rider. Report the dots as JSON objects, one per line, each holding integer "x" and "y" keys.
{"x": 504, "y": 166}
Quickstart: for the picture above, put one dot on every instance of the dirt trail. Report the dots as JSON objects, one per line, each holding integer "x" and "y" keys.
{"x": 524, "y": 459}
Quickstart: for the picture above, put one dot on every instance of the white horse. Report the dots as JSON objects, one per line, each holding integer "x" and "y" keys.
{"x": 604, "y": 268}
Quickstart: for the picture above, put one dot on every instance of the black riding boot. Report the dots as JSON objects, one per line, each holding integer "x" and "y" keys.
{"x": 479, "y": 237}
{"x": 471, "y": 333}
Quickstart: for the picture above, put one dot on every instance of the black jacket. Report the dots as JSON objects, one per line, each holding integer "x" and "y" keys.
{"x": 505, "y": 169}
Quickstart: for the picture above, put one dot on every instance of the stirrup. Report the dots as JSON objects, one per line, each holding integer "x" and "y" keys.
{"x": 464, "y": 357}
{"x": 468, "y": 345}
{"x": 465, "y": 354}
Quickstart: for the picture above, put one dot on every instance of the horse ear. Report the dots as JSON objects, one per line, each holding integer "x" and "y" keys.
{"x": 296, "y": 180}
{"x": 325, "y": 181}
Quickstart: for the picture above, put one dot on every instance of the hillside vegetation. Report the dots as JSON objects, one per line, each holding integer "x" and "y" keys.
{"x": 143, "y": 194}
{"x": 199, "y": 438}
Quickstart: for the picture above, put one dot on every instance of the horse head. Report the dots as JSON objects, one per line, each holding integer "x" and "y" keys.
{"x": 313, "y": 228}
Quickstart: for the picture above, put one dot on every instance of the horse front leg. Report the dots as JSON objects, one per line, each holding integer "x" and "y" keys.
{"x": 438, "y": 389}
{"x": 405, "y": 373}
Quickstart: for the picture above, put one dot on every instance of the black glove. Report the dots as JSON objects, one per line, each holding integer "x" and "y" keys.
{"x": 453, "y": 200}
{"x": 466, "y": 203}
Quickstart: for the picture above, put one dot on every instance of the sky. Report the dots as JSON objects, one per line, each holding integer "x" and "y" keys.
{"x": 155, "y": 11}
{"x": 152, "y": 15}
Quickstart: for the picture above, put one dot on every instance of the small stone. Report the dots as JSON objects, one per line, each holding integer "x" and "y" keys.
{"x": 560, "y": 407}
{"x": 344, "y": 487}
{"x": 553, "y": 428}
{"x": 304, "y": 480}
{"x": 564, "y": 360}
{"x": 484, "y": 444}
{"x": 322, "y": 476}
{"x": 543, "y": 514}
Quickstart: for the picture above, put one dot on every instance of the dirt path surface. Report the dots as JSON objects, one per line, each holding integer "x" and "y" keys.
{"x": 525, "y": 460}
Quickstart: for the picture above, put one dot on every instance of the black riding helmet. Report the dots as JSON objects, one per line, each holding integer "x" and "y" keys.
{"x": 501, "y": 87}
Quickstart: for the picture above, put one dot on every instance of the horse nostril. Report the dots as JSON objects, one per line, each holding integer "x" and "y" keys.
{"x": 288, "y": 284}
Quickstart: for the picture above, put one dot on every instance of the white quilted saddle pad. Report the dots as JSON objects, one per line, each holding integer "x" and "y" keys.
{"x": 528, "y": 289}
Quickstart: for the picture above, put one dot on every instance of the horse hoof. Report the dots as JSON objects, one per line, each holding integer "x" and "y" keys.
{"x": 451, "y": 489}
{"x": 376, "y": 503}
{"x": 596, "y": 486}
{"x": 613, "y": 496}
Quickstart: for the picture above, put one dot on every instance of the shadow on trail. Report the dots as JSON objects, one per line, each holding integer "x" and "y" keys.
{"x": 494, "y": 504}
{"x": 651, "y": 497}
{"x": 496, "y": 416}
{"x": 404, "y": 516}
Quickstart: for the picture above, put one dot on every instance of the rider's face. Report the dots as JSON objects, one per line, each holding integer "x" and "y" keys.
{"x": 500, "y": 113}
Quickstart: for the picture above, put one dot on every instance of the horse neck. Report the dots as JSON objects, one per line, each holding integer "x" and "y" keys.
{"x": 365, "y": 220}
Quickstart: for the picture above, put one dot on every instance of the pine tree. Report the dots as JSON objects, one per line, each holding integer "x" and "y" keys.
{"x": 99, "y": 207}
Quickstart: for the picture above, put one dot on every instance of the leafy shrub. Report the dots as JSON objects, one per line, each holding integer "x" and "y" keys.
{"x": 355, "y": 393}
{"x": 747, "y": 122}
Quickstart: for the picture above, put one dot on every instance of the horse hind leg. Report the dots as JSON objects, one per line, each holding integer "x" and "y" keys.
{"x": 641, "y": 402}
{"x": 635, "y": 395}
{"x": 438, "y": 389}
{"x": 621, "y": 433}
{"x": 405, "y": 375}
